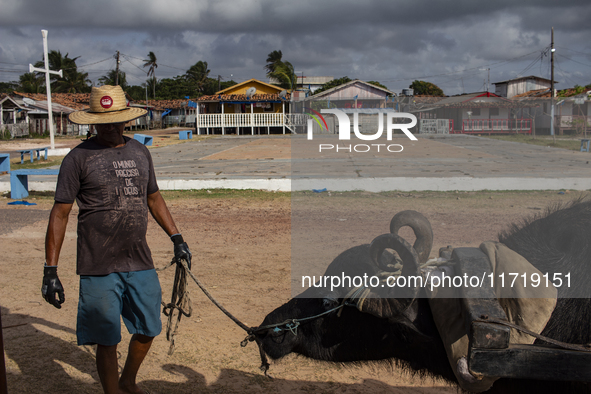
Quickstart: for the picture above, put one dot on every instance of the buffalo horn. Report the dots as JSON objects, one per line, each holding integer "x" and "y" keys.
{"x": 410, "y": 259}
{"x": 420, "y": 226}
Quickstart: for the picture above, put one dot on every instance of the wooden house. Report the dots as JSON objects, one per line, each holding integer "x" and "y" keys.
{"x": 248, "y": 107}
{"x": 516, "y": 86}
{"x": 354, "y": 94}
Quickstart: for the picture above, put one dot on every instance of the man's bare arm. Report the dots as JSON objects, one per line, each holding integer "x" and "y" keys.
{"x": 56, "y": 231}
{"x": 161, "y": 214}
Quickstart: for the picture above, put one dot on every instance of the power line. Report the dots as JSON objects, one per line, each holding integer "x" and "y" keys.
{"x": 572, "y": 60}
{"x": 129, "y": 61}
{"x": 582, "y": 53}
{"x": 159, "y": 64}
{"x": 90, "y": 64}
{"x": 562, "y": 72}
{"x": 533, "y": 63}
{"x": 457, "y": 72}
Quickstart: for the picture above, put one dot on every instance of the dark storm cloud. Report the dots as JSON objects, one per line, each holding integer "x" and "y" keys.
{"x": 372, "y": 39}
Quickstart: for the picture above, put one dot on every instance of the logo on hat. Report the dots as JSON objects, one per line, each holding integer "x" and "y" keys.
{"x": 106, "y": 102}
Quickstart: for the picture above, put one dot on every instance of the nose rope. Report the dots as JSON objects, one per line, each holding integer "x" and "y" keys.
{"x": 181, "y": 300}
{"x": 181, "y": 294}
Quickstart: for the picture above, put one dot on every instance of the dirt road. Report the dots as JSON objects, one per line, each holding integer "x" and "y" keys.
{"x": 241, "y": 249}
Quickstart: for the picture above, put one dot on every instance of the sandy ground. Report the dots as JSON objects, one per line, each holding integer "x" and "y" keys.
{"x": 241, "y": 249}
{"x": 161, "y": 137}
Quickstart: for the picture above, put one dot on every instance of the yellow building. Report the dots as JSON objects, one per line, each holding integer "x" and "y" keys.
{"x": 248, "y": 107}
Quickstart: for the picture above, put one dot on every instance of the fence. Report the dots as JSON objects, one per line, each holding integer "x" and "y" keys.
{"x": 16, "y": 130}
{"x": 496, "y": 126}
{"x": 436, "y": 126}
{"x": 246, "y": 120}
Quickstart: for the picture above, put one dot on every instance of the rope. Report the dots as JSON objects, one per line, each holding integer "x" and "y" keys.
{"x": 564, "y": 345}
{"x": 180, "y": 301}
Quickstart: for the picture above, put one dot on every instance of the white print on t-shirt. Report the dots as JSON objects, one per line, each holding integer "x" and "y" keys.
{"x": 127, "y": 169}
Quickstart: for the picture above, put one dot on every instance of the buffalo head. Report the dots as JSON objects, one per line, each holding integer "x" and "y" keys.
{"x": 356, "y": 323}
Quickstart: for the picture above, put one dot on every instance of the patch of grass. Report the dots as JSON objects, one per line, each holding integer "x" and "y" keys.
{"x": 27, "y": 165}
{"x": 47, "y": 195}
{"x": 476, "y": 195}
{"x": 225, "y": 193}
{"x": 563, "y": 142}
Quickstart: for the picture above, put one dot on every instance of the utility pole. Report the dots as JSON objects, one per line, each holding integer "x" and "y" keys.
{"x": 117, "y": 69}
{"x": 147, "y": 108}
{"x": 552, "y": 83}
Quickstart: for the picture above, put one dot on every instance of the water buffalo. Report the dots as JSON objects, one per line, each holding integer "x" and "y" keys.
{"x": 401, "y": 330}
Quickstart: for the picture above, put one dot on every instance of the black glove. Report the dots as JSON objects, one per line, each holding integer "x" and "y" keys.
{"x": 181, "y": 249}
{"x": 51, "y": 286}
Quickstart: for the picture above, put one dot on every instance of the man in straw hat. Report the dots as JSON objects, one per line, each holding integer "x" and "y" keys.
{"x": 112, "y": 179}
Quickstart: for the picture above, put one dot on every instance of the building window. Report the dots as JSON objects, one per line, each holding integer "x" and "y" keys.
{"x": 493, "y": 111}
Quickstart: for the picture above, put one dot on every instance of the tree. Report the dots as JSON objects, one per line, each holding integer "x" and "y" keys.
{"x": 284, "y": 75}
{"x": 151, "y": 62}
{"x": 376, "y": 83}
{"x": 196, "y": 76}
{"x": 136, "y": 92}
{"x": 109, "y": 79}
{"x": 332, "y": 84}
{"x": 71, "y": 81}
{"x": 281, "y": 71}
{"x": 8, "y": 87}
{"x": 273, "y": 59}
{"x": 31, "y": 83}
{"x": 151, "y": 85}
{"x": 426, "y": 88}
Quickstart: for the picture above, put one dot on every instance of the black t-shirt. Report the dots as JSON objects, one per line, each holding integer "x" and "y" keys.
{"x": 110, "y": 186}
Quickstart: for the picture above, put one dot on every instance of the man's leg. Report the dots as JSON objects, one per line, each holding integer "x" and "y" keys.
{"x": 108, "y": 369}
{"x": 138, "y": 348}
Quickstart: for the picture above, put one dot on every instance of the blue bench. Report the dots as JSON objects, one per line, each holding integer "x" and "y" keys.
{"x": 186, "y": 135}
{"x": 4, "y": 162}
{"x": 144, "y": 139}
{"x": 583, "y": 147}
{"x": 19, "y": 181}
{"x": 31, "y": 152}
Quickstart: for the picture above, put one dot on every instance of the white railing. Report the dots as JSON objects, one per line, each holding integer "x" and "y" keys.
{"x": 241, "y": 120}
{"x": 496, "y": 125}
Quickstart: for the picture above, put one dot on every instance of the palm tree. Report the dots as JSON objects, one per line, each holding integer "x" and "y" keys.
{"x": 284, "y": 74}
{"x": 197, "y": 76}
{"x": 31, "y": 83}
{"x": 109, "y": 79}
{"x": 73, "y": 82}
{"x": 151, "y": 62}
{"x": 58, "y": 62}
{"x": 280, "y": 71}
{"x": 273, "y": 59}
{"x": 151, "y": 84}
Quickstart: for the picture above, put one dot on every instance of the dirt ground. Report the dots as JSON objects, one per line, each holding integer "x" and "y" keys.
{"x": 242, "y": 253}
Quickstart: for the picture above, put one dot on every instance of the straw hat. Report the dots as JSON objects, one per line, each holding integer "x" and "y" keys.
{"x": 107, "y": 105}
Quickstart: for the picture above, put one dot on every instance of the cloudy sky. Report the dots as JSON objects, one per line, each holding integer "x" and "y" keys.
{"x": 450, "y": 43}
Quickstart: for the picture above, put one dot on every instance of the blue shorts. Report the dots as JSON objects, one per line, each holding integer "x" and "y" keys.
{"x": 136, "y": 296}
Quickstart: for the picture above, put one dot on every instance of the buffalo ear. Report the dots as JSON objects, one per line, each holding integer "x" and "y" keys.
{"x": 386, "y": 308}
